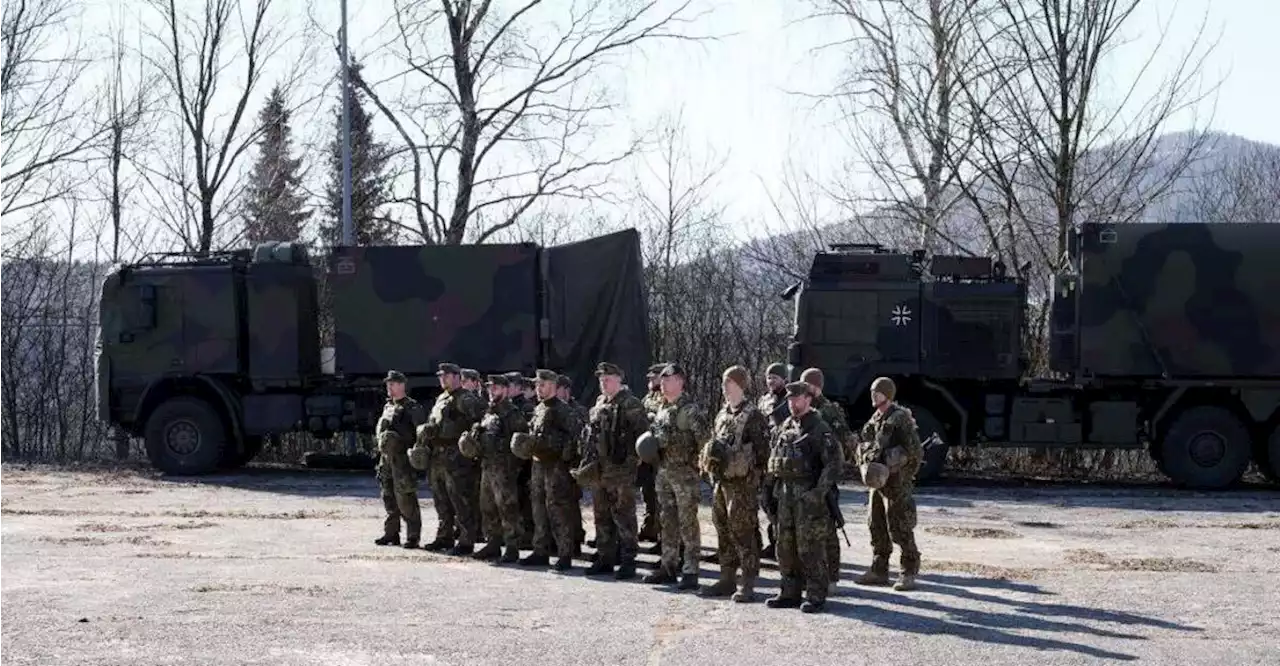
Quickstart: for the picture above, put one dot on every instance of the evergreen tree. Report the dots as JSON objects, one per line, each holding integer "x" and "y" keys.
{"x": 369, "y": 181}
{"x": 276, "y": 207}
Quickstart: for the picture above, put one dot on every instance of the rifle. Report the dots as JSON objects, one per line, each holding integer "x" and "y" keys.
{"x": 833, "y": 508}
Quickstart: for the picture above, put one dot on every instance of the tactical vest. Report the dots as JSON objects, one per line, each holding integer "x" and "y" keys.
{"x": 679, "y": 445}
{"x": 395, "y": 426}
{"x": 796, "y": 451}
{"x": 549, "y": 429}
{"x": 735, "y": 457}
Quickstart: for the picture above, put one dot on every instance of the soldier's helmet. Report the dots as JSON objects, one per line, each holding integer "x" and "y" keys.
{"x": 468, "y": 445}
{"x": 647, "y": 448}
{"x": 522, "y": 445}
{"x": 418, "y": 457}
{"x": 588, "y": 474}
{"x": 874, "y": 475}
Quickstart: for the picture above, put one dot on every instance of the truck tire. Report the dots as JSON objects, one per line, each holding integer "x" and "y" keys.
{"x": 185, "y": 436}
{"x": 935, "y": 458}
{"x": 236, "y": 459}
{"x": 1206, "y": 448}
{"x": 1269, "y": 461}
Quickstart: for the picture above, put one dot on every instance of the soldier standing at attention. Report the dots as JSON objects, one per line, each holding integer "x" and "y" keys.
{"x": 773, "y": 404}
{"x": 564, "y": 391}
{"x": 833, "y": 414}
{"x": 491, "y": 438}
{"x": 515, "y": 393}
{"x": 890, "y": 437}
{"x": 734, "y": 459}
{"x": 455, "y": 484}
{"x": 680, "y": 427}
{"x": 645, "y": 473}
{"x": 553, "y": 431}
{"x": 471, "y": 382}
{"x": 396, "y": 478}
{"x": 614, "y": 423}
{"x": 803, "y": 467}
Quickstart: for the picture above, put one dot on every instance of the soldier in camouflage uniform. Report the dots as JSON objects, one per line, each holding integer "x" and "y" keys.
{"x": 734, "y": 459}
{"x": 471, "y": 381}
{"x": 645, "y": 473}
{"x": 773, "y": 404}
{"x": 680, "y": 427}
{"x": 498, "y": 471}
{"x": 455, "y": 479}
{"x": 614, "y": 423}
{"x": 833, "y": 414}
{"x": 803, "y": 468}
{"x": 515, "y": 393}
{"x": 396, "y": 478}
{"x": 564, "y": 391}
{"x": 891, "y": 435}
{"x": 553, "y": 428}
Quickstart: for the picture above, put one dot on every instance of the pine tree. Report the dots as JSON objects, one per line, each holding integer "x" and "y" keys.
{"x": 369, "y": 181}
{"x": 276, "y": 207}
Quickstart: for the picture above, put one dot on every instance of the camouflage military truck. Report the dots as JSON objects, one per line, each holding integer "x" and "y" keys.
{"x": 207, "y": 357}
{"x": 1163, "y": 337}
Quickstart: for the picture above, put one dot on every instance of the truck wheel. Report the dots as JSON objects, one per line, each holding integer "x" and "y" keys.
{"x": 1206, "y": 448}
{"x": 1269, "y": 462}
{"x": 237, "y": 459}
{"x": 185, "y": 436}
{"x": 935, "y": 457}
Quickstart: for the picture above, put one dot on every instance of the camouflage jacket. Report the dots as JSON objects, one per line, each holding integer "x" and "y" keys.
{"x": 453, "y": 414}
{"x": 494, "y": 430}
{"x": 774, "y": 406}
{"x": 554, "y": 427}
{"x": 805, "y": 451}
{"x": 739, "y": 444}
{"x": 895, "y": 427}
{"x": 681, "y": 428}
{"x": 612, "y": 429}
{"x": 398, "y": 424}
{"x": 833, "y": 414}
{"x": 653, "y": 402}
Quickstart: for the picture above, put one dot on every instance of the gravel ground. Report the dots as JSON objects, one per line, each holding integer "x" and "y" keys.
{"x": 273, "y": 567}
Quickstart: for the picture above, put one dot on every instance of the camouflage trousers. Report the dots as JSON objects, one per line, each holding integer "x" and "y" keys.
{"x": 526, "y": 502}
{"x": 646, "y": 478}
{"x": 679, "y": 492}
{"x": 737, "y": 521}
{"x": 803, "y": 526}
{"x": 455, "y": 492}
{"x": 551, "y": 490}
{"x": 833, "y": 551}
{"x": 500, "y": 501}
{"x": 891, "y": 517}
{"x": 398, "y": 482}
{"x": 613, "y": 507}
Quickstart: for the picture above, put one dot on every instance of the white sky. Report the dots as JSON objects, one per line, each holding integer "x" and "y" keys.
{"x": 733, "y": 93}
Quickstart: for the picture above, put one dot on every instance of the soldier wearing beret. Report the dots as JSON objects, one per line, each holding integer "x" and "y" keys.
{"x": 773, "y": 404}
{"x": 552, "y": 431}
{"x": 833, "y": 414}
{"x": 455, "y": 479}
{"x": 499, "y": 499}
{"x": 803, "y": 468}
{"x": 645, "y": 473}
{"x": 891, "y": 437}
{"x": 613, "y": 425}
{"x": 680, "y": 427}
{"x": 397, "y": 479}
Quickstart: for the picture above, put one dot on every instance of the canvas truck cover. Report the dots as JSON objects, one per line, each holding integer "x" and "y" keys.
{"x": 596, "y": 310}
{"x": 1180, "y": 300}
{"x": 410, "y": 308}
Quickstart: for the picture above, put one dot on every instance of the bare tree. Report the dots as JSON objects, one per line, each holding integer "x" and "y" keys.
{"x": 902, "y": 102}
{"x": 500, "y": 107}
{"x": 1244, "y": 188}
{"x": 211, "y": 61}
{"x": 48, "y": 121}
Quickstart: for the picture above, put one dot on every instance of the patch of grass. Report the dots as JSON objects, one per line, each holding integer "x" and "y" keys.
{"x": 102, "y": 527}
{"x": 1105, "y": 562}
{"x": 979, "y": 570}
{"x": 1146, "y": 524}
{"x": 263, "y": 588}
{"x": 1086, "y": 556}
{"x": 75, "y": 541}
{"x": 971, "y": 532}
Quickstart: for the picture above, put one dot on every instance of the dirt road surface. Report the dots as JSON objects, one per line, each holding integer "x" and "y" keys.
{"x": 271, "y": 567}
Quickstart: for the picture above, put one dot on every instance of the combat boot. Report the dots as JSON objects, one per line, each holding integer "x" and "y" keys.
{"x": 813, "y": 606}
{"x": 782, "y": 602}
{"x": 660, "y": 576}
{"x": 688, "y": 582}
{"x": 906, "y": 583}
{"x": 563, "y": 564}
{"x": 439, "y": 544}
{"x": 411, "y": 544}
{"x": 462, "y": 549}
{"x": 626, "y": 571}
{"x": 491, "y": 551}
{"x": 387, "y": 540}
{"x": 878, "y": 574}
{"x": 746, "y": 591}
{"x": 722, "y": 588}
{"x": 535, "y": 560}
{"x": 511, "y": 555}
{"x": 600, "y": 566}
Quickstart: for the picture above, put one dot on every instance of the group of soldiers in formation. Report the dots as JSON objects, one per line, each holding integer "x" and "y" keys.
{"x": 509, "y": 471}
